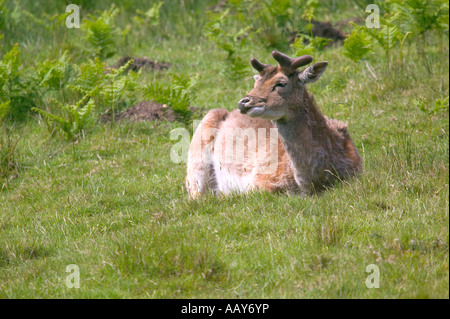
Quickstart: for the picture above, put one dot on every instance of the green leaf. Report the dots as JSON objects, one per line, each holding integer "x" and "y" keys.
{"x": 357, "y": 45}
{"x": 179, "y": 95}
{"x": 4, "y": 107}
{"x": 101, "y": 32}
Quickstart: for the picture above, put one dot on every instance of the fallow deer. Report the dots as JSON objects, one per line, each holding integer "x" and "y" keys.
{"x": 311, "y": 151}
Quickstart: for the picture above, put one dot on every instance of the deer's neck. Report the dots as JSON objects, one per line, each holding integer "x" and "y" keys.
{"x": 305, "y": 139}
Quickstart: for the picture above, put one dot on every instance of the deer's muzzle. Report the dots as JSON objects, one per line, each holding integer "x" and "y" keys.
{"x": 250, "y": 102}
{"x": 243, "y": 108}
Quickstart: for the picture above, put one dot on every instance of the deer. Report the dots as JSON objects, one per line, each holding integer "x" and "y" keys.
{"x": 311, "y": 152}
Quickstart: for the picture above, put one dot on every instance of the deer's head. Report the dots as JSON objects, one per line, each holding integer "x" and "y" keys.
{"x": 278, "y": 91}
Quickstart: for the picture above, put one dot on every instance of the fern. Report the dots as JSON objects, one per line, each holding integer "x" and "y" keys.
{"x": 115, "y": 85}
{"x": 151, "y": 16}
{"x": 420, "y": 17}
{"x": 9, "y": 66}
{"x": 217, "y": 30}
{"x": 101, "y": 32}
{"x": 108, "y": 89}
{"x": 314, "y": 45}
{"x": 179, "y": 95}
{"x": 309, "y": 12}
{"x": 89, "y": 76}
{"x": 11, "y": 87}
{"x": 54, "y": 74}
{"x": 4, "y": 110}
{"x": 50, "y": 23}
{"x": 72, "y": 119}
{"x": 357, "y": 45}
{"x": 7, "y": 144}
{"x": 388, "y": 37}
{"x": 275, "y": 20}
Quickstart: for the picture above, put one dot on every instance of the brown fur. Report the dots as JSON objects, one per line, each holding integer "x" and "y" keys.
{"x": 313, "y": 151}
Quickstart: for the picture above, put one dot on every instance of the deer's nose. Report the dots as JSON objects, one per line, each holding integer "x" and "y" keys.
{"x": 242, "y": 103}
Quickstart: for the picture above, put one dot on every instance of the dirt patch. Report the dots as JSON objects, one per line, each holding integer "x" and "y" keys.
{"x": 142, "y": 63}
{"x": 326, "y": 30}
{"x": 150, "y": 111}
{"x": 145, "y": 111}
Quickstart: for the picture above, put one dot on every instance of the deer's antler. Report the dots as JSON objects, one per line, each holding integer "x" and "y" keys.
{"x": 289, "y": 63}
{"x": 258, "y": 65}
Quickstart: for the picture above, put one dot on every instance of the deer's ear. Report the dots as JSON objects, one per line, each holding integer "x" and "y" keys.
{"x": 312, "y": 73}
{"x": 257, "y": 77}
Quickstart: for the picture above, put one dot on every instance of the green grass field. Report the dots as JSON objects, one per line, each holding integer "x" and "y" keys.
{"x": 115, "y": 205}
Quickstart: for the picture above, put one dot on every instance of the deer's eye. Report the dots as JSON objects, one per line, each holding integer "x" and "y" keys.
{"x": 281, "y": 85}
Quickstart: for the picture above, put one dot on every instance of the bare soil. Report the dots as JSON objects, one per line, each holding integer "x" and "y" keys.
{"x": 336, "y": 32}
{"x": 327, "y": 30}
{"x": 150, "y": 111}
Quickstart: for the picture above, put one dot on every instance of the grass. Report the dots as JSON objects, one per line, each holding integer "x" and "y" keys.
{"x": 120, "y": 212}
